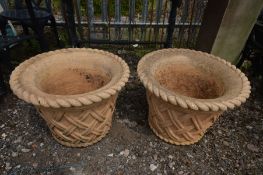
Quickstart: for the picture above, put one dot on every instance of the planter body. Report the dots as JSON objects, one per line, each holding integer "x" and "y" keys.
{"x": 187, "y": 91}
{"x": 80, "y": 126}
{"x": 178, "y": 125}
{"x": 74, "y": 90}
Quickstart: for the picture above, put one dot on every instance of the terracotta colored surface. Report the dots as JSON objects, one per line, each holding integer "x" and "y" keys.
{"x": 187, "y": 90}
{"x": 178, "y": 77}
{"x": 74, "y": 81}
{"x": 74, "y": 90}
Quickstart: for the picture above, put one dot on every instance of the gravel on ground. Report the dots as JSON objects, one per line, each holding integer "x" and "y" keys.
{"x": 233, "y": 145}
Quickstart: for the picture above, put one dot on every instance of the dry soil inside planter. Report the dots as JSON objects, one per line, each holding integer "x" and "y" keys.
{"x": 74, "y": 81}
{"x": 189, "y": 81}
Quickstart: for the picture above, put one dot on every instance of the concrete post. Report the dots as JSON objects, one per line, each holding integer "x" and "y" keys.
{"x": 236, "y": 25}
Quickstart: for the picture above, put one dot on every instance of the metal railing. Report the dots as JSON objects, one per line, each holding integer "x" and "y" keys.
{"x": 144, "y": 22}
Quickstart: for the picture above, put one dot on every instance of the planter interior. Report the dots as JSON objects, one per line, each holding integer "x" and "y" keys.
{"x": 72, "y": 73}
{"x": 189, "y": 80}
{"x": 74, "y": 90}
{"x": 75, "y": 80}
{"x": 187, "y": 91}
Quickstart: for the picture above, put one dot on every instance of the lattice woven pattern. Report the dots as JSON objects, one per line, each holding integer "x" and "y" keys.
{"x": 187, "y": 91}
{"x": 177, "y": 125}
{"x": 74, "y": 90}
{"x": 79, "y": 128}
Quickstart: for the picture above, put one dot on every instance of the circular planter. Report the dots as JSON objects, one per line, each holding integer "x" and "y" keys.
{"x": 187, "y": 90}
{"x": 74, "y": 90}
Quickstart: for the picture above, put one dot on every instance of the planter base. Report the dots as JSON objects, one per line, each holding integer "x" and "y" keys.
{"x": 177, "y": 125}
{"x": 80, "y": 127}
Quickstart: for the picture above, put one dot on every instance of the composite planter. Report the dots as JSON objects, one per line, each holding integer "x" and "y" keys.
{"x": 187, "y": 91}
{"x": 74, "y": 90}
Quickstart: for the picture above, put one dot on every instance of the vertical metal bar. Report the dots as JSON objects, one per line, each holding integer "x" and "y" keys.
{"x": 104, "y": 11}
{"x": 170, "y": 28}
{"x": 117, "y": 18}
{"x": 68, "y": 13}
{"x": 64, "y": 15}
{"x": 151, "y": 20}
{"x": 197, "y": 19}
{"x": 183, "y": 20}
{"x": 185, "y": 11}
{"x": 117, "y": 11}
{"x": 165, "y": 15}
{"x": 191, "y": 22}
{"x": 109, "y": 21}
{"x": 144, "y": 11}
{"x": 132, "y": 11}
{"x": 199, "y": 9}
{"x": 144, "y": 19}
{"x": 39, "y": 31}
{"x": 78, "y": 13}
{"x": 104, "y": 16}
{"x": 131, "y": 18}
{"x": 90, "y": 16}
{"x": 159, "y": 6}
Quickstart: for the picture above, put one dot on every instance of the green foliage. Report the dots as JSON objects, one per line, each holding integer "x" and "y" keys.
{"x": 246, "y": 65}
{"x": 125, "y": 4}
{"x": 140, "y": 52}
